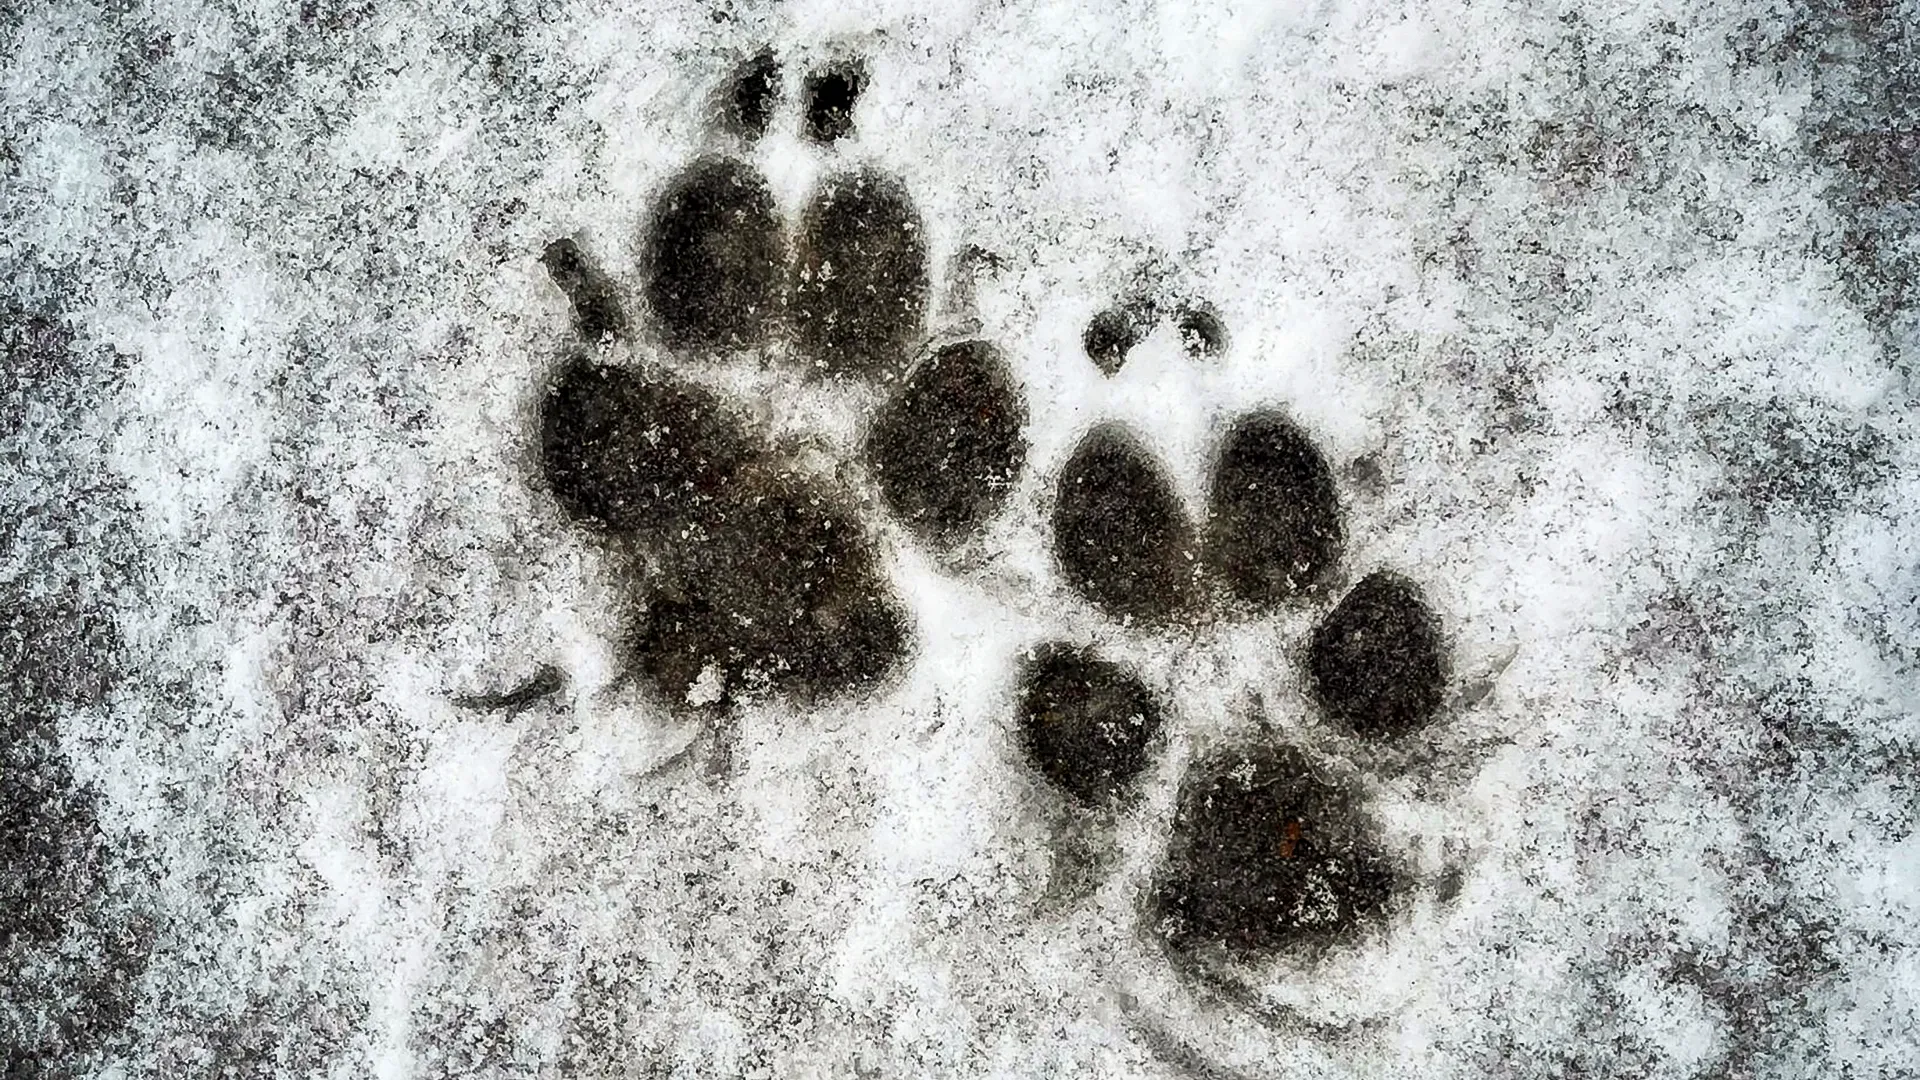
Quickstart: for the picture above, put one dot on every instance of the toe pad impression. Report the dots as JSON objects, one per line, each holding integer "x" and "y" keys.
{"x": 946, "y": 449}
{"x": 1087, "y": 724}
{"x": 1377, "y": 661}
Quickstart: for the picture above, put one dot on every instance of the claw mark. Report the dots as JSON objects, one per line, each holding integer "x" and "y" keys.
{"x": 595, "y": 309}
{"x": 1293, "y": 838}
{"x": 1202, "y": 334}
{"x": 831, "y": 95}
{"x": 546, "y": 681}
{"x": 756, "y": 90}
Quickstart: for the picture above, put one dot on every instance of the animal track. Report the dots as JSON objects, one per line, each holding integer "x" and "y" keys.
{"x": 757, "y": 572}
{"x": 765, "y": 573}
{"x": 1271, "y": 849}
{"x": 1112, "y": 333}
{"x": 754, "y": 94}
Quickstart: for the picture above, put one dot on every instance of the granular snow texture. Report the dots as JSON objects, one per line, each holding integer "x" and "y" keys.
{"x": 871, "y": 539}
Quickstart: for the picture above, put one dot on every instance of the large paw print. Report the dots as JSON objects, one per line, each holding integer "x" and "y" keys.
{"x": 1271, "y": 849}
{"x": 764, "y": 571}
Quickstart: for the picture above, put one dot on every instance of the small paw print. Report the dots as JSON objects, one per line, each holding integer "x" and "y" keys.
{"x": 761, "y": 563}
{"x": 1271, "y": 849}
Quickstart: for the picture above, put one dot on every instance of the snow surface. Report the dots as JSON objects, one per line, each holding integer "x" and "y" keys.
{"x": 1599, "y": 310}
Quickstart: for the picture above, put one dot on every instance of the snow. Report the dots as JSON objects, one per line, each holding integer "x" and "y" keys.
{"x": 1571, "y": 277}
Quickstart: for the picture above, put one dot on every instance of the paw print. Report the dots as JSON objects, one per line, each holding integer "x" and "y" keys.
{"x": 752, "y": 536}
{"x": 1271, "y": 849}
{"x": 737, "y": 432}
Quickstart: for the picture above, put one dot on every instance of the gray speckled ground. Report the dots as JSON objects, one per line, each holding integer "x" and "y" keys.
{"x": 1602, "y": 320}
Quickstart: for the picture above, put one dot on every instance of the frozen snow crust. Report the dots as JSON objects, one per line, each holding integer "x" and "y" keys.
{"x": 1580, "y": 341}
